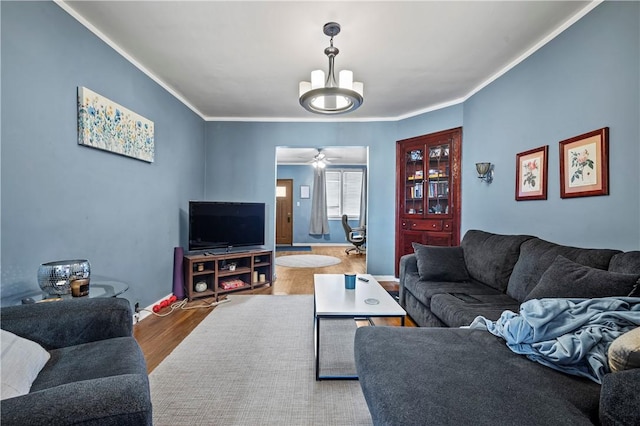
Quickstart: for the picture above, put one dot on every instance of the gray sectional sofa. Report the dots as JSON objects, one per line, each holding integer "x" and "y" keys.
{"x": 489, "y": 273}
{"x": 96, "y": 373}
{"x": 442, "y": 374}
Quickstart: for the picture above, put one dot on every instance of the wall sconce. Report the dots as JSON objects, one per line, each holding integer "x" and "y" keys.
{"x": 485, "y": 172}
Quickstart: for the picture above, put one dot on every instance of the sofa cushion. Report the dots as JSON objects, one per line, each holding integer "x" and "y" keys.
{"x": 620, "y": 398}
{"x": 104, "y": 358}
{"x": 463, "y": 377}
{"x": 537, "y": 255}
{"x": 624, "y": 351}
{"x": 565, "y": 278}
{"x": 626, "y": 263}
{"x": 457, "y": 310}
{"x": 22, "y": 360}
{"x": 424, "y": 290}
{"x": 437, "y": 263}
{"x": 490, "y": 258}
{"x": 420, "y": 315}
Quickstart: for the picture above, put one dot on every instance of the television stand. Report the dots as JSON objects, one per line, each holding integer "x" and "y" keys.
{"x": 211, "y": 275}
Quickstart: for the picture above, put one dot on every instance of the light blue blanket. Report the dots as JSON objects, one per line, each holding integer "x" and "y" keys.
{"x": 569, "y": 335}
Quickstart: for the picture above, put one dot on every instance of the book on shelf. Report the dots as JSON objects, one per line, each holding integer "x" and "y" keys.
{"x": 438, "y": 189}
{"x": 416, "y": 191}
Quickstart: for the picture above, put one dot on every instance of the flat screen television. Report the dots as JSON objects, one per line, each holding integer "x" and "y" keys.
{"x": 215, "y": 224}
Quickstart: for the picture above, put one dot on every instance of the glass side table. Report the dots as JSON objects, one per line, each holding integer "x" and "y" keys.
{"x": 98, "y": 287}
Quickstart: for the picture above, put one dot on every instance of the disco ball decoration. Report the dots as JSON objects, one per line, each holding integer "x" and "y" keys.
{"x": 55, "y": 278}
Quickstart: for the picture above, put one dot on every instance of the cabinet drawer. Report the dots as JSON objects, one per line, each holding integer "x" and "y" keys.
{"x": 426, "y": 225}
{"x": 439, "y": 239}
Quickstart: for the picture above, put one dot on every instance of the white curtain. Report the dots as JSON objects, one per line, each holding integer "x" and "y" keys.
{"x": 319, "y": 224}
{"x": 363, "y": 200}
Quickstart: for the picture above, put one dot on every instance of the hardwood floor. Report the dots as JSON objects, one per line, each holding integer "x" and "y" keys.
{"x": 158, "y": 336}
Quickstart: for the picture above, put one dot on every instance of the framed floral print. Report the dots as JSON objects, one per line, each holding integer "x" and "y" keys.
{"x": 531, "y": 174}
{"x": 584, "y": 164}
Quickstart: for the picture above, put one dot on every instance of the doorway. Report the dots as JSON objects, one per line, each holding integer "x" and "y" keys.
{"x": 297, "y": 165}
{"x": 284, "y": 212}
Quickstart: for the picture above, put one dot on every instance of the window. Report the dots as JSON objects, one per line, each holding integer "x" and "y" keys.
{"x": 344, "y": 188}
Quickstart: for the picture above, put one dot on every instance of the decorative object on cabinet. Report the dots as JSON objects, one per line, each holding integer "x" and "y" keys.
{"x": 105, "y": 125}
{"x": 485, "y": 172}
{"x": 428, "y": 191}
{"x": 584, "y": 164}
{"x": 326, "y": 96}
{"x": 531, "y": 174}
{"x": 224, "y": 273}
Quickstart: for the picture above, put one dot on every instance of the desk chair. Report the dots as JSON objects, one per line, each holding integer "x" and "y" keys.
{"x": 356, "y": 236}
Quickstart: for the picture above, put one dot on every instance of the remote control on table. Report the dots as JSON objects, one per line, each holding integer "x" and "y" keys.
{"x": 363, "y": 279}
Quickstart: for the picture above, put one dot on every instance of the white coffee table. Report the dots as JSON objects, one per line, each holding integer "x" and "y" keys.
{"x": 332, "y": 300}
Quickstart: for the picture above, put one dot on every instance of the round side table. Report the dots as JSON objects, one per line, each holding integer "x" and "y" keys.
{"x": 98, "y": 287}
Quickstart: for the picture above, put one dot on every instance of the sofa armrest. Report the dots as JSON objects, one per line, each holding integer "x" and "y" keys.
{"x": 65, "y": 323}
{"x": 115, "y": 400}
{"x": 408, "y": 265}
{"x": 620, "y": 398}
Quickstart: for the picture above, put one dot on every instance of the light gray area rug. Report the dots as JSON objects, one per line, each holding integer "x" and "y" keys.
{"x": 251, "y": 362}
{"x": 306, "y": 260}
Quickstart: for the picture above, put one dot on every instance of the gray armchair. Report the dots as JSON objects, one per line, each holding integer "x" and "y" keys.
{"x": 96, "y": 375}
{"x": 356, "y": 236}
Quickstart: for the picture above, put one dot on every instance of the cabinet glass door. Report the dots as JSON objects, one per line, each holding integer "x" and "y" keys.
{"x": 414, "y": 182}
{"x": 437, "y": 179}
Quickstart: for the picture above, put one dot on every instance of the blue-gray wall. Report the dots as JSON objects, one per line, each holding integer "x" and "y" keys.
{"x": 586, "y": 78}
{"x": 303, "y": 175}
{"x": 248, "y": 171}
{"x": 61, "y": 200}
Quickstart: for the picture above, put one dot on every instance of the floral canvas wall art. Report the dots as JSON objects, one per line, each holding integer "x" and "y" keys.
{"x": 103, "y": 124}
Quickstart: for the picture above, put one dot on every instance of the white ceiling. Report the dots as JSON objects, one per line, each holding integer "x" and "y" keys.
{"x": 241, "y": 60}
{"x": 334, "y": 155}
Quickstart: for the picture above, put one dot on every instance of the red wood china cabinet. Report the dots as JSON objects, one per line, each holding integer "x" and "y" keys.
{"x": 428, "y": 191}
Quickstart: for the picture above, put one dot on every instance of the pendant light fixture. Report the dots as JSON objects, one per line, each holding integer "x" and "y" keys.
{"x": 326, "y": 96}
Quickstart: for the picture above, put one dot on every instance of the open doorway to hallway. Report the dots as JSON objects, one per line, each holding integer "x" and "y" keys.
{"x": 346, "y": 176}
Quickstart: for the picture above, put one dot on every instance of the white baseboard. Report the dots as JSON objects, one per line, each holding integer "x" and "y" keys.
{"x": 323, "y": 244}
{"x": 385, "y": 278}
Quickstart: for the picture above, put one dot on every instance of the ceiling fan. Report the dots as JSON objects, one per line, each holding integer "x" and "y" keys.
{"x": 320, "y": 160}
